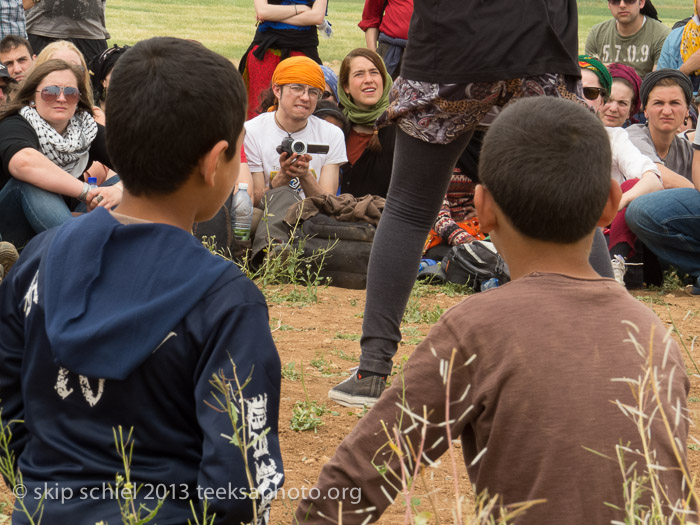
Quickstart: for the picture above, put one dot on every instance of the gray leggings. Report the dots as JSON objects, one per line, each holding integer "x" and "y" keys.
{"x": 420, "y": 176}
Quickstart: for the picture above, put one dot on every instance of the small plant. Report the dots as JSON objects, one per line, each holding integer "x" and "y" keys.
{"x": 415, "y": 314}
{"x": 286, "y": 263}
{"x": 290, "y": 373}
{"x": 347, "y": 337}
{"x": 344, "y": 355}
{"x": 306, "y": 415}
{"x": 125, "y": 490}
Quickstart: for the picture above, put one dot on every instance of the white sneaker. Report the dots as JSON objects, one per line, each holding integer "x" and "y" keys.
{"x": 619, "y": 268}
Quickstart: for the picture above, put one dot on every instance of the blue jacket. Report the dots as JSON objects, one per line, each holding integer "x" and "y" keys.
{"x": 670, "y": 57}
{"x": 104, "y": 325}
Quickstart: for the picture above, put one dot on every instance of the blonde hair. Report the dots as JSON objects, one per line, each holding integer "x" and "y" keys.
{"x": 50, "y": 50}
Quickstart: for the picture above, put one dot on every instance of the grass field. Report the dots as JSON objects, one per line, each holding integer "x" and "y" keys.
{"x": 228, "y": 27}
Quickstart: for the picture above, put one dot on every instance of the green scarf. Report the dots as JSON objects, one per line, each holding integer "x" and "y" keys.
{"x": 365, "y": 117}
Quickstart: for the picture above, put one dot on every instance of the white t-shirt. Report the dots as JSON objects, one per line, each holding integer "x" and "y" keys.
{"x": 628, "y": 161}
{"x": 263, "y": 135}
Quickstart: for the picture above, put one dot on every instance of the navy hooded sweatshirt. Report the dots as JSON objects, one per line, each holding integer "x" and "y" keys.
{"x": 104, "y": 324}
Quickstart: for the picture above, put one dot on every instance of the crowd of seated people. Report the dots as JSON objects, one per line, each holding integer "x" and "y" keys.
{"x": 54, "y": 166}
{"x": 353, "y": 99}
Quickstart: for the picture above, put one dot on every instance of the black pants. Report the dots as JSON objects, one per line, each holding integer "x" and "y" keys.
{"x": 89, "y": 48}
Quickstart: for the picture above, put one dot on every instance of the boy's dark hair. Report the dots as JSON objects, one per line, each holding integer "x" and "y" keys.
{"x": 12, "y": 41}
{"x": 169, "y": 102}
{"x": 547, "y": 162}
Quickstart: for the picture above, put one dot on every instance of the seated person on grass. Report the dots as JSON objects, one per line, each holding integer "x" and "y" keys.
{"x": 297, "y": 85}
{"x": 530, "y": 365}
{"x": 121, "y": 319}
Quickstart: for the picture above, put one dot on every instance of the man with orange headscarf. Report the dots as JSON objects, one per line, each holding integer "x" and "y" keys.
{"x": 297, "y": 84}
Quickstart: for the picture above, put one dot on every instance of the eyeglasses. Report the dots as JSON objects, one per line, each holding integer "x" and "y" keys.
{"x": 51, "y": 94}
{"x": 592, "y": 93}
{"x": 617, "y": 2}
{"x": 327, "y": 94}
{"x": 300, "y": 89}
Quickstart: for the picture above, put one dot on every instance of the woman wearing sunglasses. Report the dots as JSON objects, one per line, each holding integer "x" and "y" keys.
{"x": 48, "y": 137}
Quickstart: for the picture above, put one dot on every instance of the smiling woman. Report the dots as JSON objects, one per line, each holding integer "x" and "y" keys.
{"x": 48, "y": 137}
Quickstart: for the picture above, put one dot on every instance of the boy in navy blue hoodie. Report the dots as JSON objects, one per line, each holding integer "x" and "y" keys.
{"x": 122, "y": 318}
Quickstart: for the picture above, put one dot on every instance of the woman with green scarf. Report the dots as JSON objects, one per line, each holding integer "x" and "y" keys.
{"x": 364, "y": 95}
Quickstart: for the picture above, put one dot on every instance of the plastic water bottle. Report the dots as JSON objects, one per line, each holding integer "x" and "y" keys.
{"x": 424, "y": 263}
{"x": 490, "y": 283}
{"x": 92, "y": 182}
{"x": 325, "y": 29}
{"x": 242, "y": 213}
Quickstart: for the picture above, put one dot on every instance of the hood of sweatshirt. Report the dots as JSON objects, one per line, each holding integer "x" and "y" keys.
{"x": 113, "y": 292}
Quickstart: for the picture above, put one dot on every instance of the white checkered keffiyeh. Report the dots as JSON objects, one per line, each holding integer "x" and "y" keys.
{"x": 69, "y": 151}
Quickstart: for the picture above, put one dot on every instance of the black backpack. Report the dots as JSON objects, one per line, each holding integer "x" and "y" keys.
{"x": 475, "y": 263}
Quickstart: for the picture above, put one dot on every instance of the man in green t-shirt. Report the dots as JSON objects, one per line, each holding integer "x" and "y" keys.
{"x": 633, "y": 37}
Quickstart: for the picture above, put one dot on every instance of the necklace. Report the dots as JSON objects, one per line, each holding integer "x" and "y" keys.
{"x": 289, "y": 133}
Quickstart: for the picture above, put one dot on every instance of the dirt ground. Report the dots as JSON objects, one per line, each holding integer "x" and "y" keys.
{"x": 322, "y": 339}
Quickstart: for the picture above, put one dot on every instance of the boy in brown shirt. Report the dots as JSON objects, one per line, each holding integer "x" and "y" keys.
{"x": 532, "y": 385}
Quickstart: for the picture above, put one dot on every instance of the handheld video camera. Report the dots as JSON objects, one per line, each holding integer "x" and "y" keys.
{"x": 291, "y": 146}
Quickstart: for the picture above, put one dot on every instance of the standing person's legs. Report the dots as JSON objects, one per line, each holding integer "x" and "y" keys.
{"x": 90, "y": 48}
{"x": 420, "y": 176}
{"x": 668, "y": 223}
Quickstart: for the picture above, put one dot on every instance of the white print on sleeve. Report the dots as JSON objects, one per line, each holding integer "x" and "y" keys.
{"x": 32, "y": 296}
{"x": 64, "y": 391}
{"x": 267, "y": 476}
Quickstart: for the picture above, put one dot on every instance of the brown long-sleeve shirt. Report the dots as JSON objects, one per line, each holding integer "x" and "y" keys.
{"x": 532, "y": 385}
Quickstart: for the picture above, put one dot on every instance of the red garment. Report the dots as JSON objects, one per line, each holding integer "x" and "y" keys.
{"x": 619, "y": 231}
{"x": 393, "y": 21}
{"x": 356, "y": 145}
{"x": 258, "y": 74}
{"x": 243, "y": 157}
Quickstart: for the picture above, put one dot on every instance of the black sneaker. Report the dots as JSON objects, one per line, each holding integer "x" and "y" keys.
{"x": 354, "y": 392}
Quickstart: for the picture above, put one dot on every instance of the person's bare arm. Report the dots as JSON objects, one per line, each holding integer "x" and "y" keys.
{"x": 32, "y": 166}
{"x": 648, "y": 183}
{"x": 371, "y": 38}
{"x": 298, "y": 15}
{"x": 671, "y": 179}
{"x": 258, "y": 186}
{"x": 691, "y": 65}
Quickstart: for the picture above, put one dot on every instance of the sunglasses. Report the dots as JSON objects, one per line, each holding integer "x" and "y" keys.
{"x": 51, "y": 94}
{"x": 592, "y": 93}
{"x": 617, "y": 2}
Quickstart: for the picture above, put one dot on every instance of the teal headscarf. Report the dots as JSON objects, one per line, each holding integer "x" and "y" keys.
{"x": 365, "y": 117}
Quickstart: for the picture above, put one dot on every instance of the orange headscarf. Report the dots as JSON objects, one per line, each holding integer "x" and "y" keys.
{"x": 299, "y": 70}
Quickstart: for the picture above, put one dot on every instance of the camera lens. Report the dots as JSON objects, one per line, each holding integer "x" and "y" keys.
{"x": 298, "y": 147}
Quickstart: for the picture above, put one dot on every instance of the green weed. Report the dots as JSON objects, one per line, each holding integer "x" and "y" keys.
{"x": 290, "y": 373}
{"x": 347, "y": 337}
{"x": 343, "y": 355}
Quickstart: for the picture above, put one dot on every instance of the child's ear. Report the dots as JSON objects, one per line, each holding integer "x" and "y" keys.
{"x": 485, "y": 210}
{"x": 611, "y": 205}
{"x": 209, "y": 163}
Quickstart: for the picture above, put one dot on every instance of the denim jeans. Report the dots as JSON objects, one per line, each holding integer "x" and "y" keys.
{"x": 26, "y": 210}
{"x": 668, "y": 223}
